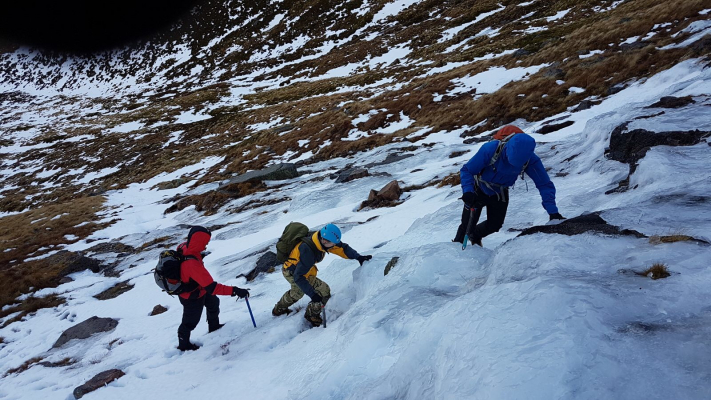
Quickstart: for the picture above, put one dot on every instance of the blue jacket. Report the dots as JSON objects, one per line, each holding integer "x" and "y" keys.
{"x": 519, "y": 148}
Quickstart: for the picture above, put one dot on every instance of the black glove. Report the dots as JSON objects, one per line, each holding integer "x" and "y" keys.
{"x": 469, "y": 198}
{"x": 556, "y": 216}
{"x": 362, "y": 259}
{"x": 241, "y": 293}
{"x": 316, "y": 298}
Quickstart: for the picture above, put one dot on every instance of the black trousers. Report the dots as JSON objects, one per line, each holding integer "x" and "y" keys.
{"x": 192, "y": 311}
{"x": 496, "y": 207}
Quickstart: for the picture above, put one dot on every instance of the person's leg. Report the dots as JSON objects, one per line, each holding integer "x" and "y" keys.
{"x": 313, "y": 310}
{"x": 212, "y": 306}
{"x": 192, "y": 310}
{"x": 466, "y": 214}
{"x": 495, "y": 216}
{"x": 290, "y": 297}
{"x": 321, "y": 288}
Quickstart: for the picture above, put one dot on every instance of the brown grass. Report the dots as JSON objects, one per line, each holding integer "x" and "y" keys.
{"x": 656, "y": 271}
{"x": 29, "y": 306}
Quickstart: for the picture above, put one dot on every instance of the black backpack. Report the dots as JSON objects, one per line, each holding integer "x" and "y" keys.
{"x": 293, "y": 234}
{"x": 167, "y": 273}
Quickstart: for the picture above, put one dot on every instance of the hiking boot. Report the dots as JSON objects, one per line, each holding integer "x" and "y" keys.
{"x": 315, "y": 320}
{"x": 188, "y": 346}
{"x": 213, "y": 328}
{"x": 277, "y": 311}
{"x": 476, "y": 240}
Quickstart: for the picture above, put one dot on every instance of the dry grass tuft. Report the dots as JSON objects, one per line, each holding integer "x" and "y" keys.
{"x": 656, "y": 271}
{"x": 29, "y": 306}
{"x": 452, "y": 179}
{"x": 211, "y": 201}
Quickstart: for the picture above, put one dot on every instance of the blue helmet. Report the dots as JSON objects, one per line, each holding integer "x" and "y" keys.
{"x": 331, "y": 233}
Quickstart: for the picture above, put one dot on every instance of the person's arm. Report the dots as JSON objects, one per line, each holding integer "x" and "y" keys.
{"x": 543, "y": 183}
{"x": 197, "y": 272}
{"x": 343, "y": 250}
{"x": 306, "y": 262}
{"x": 475, "y": 165}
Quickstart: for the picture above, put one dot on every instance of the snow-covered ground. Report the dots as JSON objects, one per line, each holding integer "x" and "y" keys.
{"x": 542, "y": 316}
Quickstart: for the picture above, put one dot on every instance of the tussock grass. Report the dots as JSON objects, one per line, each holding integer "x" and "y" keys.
{"x": 28, "y": 306}
{"x": 656, "y": 271}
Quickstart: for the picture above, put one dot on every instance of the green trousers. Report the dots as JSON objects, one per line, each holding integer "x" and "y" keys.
{"x": 295, "y": 293}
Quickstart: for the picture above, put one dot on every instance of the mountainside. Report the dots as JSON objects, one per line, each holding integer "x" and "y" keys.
{"x": 108, "y": 159}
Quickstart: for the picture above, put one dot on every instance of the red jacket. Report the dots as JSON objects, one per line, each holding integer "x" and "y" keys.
{"x": 194, "y": 268}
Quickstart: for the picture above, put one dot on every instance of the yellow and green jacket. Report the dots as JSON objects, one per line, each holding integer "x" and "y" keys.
{"x": 302, "y": 260}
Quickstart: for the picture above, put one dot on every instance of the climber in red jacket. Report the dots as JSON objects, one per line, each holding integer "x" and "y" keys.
{"x": 202, "y": 289}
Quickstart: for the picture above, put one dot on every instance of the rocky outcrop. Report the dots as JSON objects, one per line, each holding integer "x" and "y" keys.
{"x": 273, "y": 173}
{"x": 588, "y": 223}
{"x": 351, "y": 174}
{"x": 388, "y": 196}
{"x": 554, "y": 127}
{"x": 672, "y": 102}
{"x": 391, "y": 264}
{"x": 159, "y": 309}
{"x": 114, "y": 291}
{"x": 98, "y": 381}
{"x": 265, "y": 264}
{"x": 86, "y": 329}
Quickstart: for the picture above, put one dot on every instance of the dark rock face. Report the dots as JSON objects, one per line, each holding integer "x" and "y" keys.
{"x": 477, "y": 140}
{"x": 115, "y": 291}
{"x": 391, "y": 264}
{"x": 582, "y": 224}
{"x": 98, "y": 381}
{"x": 159, "y": 309}
{"x": 85, "y": 329}
{"x": 672, "y": 102}
{"x": 352, "y": 174}
{"x": 584, "y": 105}
{"x": 265, "y": 264}
{"x": 77, "y": 262}
{"x": 388, "y": 196}
{"x": 274, "y": 173}
{"x": 630, "y": 147}
{"x": 391, "y": 158}
{"x": 554, "y": 127}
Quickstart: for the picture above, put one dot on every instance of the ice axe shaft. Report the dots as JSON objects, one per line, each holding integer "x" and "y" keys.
{"x": 323, "y": 309}
{"x": 469, "y": 227}
{"x": 250, "y": 312}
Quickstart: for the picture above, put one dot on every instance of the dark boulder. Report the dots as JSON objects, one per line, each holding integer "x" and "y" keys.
{"x": 273, "y": 173}
{"x": 554, "y": 127}
{"x": 98, "y": 381}
{"x": 352, "y": 174}
{"x": 85, "y": 329}
{"x": 265, "y": 264}
{"x": 114, "y": 291}
{"x": 582, "y": 224}
{"x": 672, "y": 102}
{"x": 159, "y": 309}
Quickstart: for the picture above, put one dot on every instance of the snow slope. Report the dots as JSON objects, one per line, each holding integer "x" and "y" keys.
{"x": 542, "y": 316}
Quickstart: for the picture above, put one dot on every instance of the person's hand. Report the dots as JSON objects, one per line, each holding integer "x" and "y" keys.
{"x": 241, "y": 293}
{"x": 316, "y": 298}
{"x": 362, "y": 259}
{"x": 469, "y": 198}
{"x": 556, "y": 216}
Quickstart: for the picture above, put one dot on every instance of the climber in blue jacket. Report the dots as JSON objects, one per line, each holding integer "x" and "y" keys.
{"x": 486, "y": 179}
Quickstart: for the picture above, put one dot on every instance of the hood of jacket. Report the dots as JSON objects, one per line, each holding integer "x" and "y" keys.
{"x": 198, "y": 238}
{"x": 519, "y": 149}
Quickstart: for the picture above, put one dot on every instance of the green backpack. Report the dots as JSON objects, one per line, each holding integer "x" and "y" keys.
{"x": 292, "y": 235}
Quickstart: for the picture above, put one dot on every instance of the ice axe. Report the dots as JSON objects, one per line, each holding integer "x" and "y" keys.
{"x": 469, "y": 227}
{"x": 250, "y": 312}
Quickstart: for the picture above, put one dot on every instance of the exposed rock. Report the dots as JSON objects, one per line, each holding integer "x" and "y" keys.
{"x": 352, "y": 174}
{"x": 582, "y": 224}
{"x": 554, "y": 72}
{"x": 111, "y": 247}
{"x": 615, "y": 89}
{"x": 171, "y": 184}
{"x": 457, "y": 154}
{"x": 630, "y": 147}
{"x": 85, "y": 329}
{"x": 554, "y": 127}
{"x": 628, "y": 47}
{"x": 98, "y": 381}
{"x": 477, "y": 139}
{"x": 521, "y": 53}
{"x": 585, "y": 105}
{"x": 273, "y": 173}
{"x": 391, "y": 158}
{"x": 265, "y": 264}
{"x": 391, "y": 191}
{"x": 65, "y": 279}
{"x": 672, "y": 102}
{"x": 75, "y": 262}
{"x": 159, "y": 309}
{"x": 283, "y": 128}
{"x": 391, "y": 264}
{"x": 114, "y": 291}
